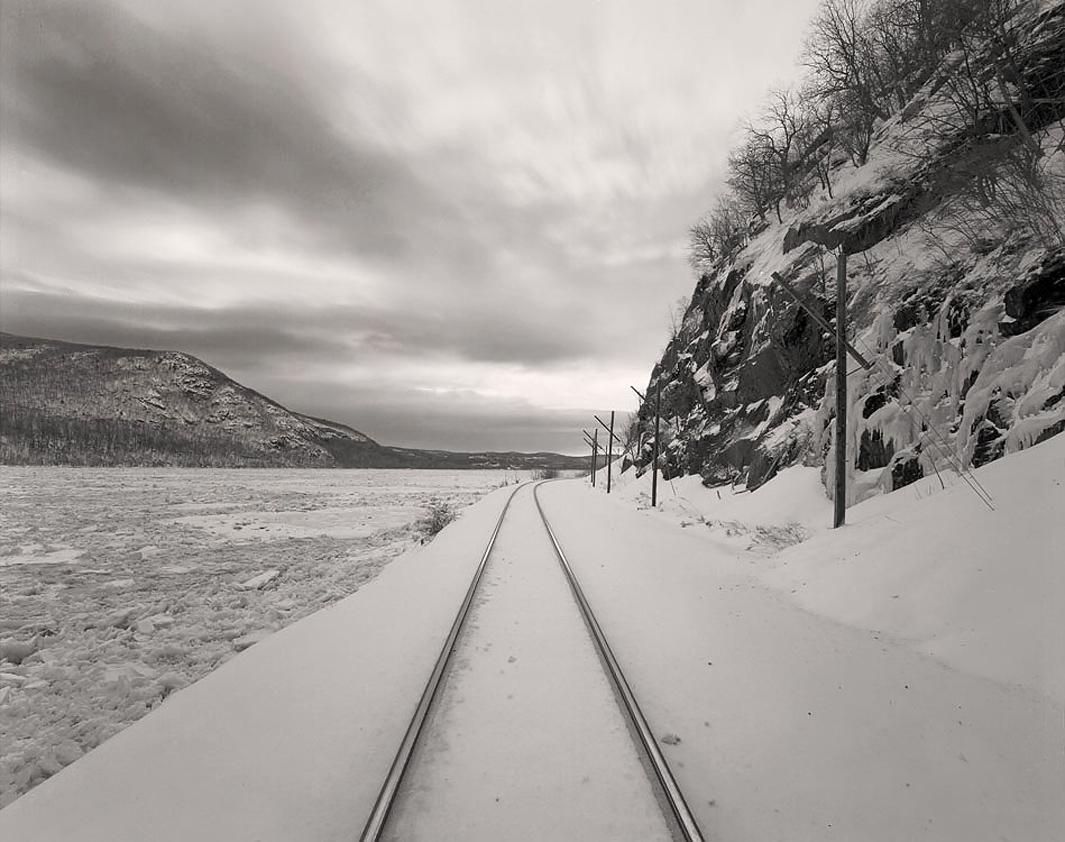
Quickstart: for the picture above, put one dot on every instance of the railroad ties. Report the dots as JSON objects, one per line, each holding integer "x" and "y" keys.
{"x": 579, "y": 758}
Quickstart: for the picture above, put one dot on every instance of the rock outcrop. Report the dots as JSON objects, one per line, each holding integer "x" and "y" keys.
{"x": 966, "y": 334}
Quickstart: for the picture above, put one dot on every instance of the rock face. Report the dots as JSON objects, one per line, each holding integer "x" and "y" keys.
{"x": 966, "y": 336}
{"x": 65, "y": 403}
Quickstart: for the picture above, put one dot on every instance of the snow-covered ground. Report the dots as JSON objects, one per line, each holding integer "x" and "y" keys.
{"x": 900, "y": 678}
{"x": 118, "y": 587}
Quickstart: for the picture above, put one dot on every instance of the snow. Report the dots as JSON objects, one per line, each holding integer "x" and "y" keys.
{"x": 36, "y": 554}
{"x": 937, "y": 569}
{"x": 900, "y": 678}
{"x": 980, "y": 591}
{"x": 781, "y": 512}
{"x": 499, "y": 759}
{"x": 259, "y": 581}
{"x": 159, "y": 576}
{"x": 288, "y": 740}
{"x": 1030, "y": 370}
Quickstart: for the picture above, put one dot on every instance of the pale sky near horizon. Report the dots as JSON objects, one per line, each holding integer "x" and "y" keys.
{"x": 453, "y": 223}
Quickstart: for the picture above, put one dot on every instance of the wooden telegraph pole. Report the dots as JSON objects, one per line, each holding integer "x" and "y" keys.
{"x": 610, "y": 444}
{"x": 595, "y": 456}
{"x": 593, "y": 445}
{"x": 843, "y": 347}
{"x": 654, "y": 452}
{"x": 609, "y": 451}
{"x": 840, "y": 494}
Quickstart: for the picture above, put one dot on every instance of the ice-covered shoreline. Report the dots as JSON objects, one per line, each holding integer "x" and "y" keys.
{"x": 119, "y": 586}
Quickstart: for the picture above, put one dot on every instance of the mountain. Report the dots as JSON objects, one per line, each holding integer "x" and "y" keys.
{"x": 73, "y": 404}
{"x": 955, "y": 281}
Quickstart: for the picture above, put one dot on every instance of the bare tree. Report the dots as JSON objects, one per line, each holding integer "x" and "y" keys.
{"x": 1002, "y": 179}
{"x": 702, "y": 250}
{"x": 818, "y": 139}
{"x": 752, "y": 175}
{"x": 677, "y": 312}
{"x": 842, "y": 59}
{"x": 778, "y": 134}
{"x": 728, "y": 223}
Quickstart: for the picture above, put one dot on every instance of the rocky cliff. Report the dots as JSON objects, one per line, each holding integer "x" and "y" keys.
{"x": 960, "y": 314}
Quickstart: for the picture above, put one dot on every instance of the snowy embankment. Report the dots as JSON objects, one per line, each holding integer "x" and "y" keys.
{"x": 900, "y": 678}
{"x": 981, "y": 590}
{"x": 290, "y": 739}
{"x": 119, "y": 586}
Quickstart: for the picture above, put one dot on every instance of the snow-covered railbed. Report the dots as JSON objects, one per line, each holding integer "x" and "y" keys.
{"x": 527, "y": 740}
{"x": 118, "y": 587}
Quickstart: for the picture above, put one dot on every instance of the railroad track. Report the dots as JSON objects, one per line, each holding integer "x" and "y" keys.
{"x": 675, "y": 810}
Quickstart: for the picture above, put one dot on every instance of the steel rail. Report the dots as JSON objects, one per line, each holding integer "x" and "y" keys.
{"x": 387, "y": 796}
{"x": 671, "y": 792}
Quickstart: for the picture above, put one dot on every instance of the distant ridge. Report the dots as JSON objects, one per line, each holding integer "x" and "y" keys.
{"x": 67, "y": 403}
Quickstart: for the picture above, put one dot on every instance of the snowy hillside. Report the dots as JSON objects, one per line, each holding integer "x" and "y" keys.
{"x": 959, "y": 312}
{"x": 72, "y": 404}
{"x": 69, "y": 403}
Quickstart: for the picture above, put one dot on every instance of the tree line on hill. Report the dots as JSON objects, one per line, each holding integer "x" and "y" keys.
{"x": 30, "y": 437}
{"x": 865, "y": 61}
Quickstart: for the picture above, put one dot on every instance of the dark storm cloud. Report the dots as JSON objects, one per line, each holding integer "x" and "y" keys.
{"x": 257, "y": 337}
{"x": 95, "y": 89}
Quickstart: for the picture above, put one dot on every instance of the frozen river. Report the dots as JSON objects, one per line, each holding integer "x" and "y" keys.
{"x": 118, "y": 586}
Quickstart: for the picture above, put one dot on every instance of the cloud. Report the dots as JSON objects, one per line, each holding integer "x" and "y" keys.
{"x": 476, "y": 209}
{"x": 264, "y": 335}
{"x": 97, "y": 90}
{"x": 454, "y": 420}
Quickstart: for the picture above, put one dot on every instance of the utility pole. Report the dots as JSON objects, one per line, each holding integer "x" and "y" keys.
{"x": 610, "y": 443}
{"x": 592, "y": 444}
{"x": 654, "y": 457}
{"x": 840, "y": 495}
{"x": 843, "y": 347}
{"x": 595, "y": 456}
{"x": 610, "y": 451}
{"x": 654, "y": 452}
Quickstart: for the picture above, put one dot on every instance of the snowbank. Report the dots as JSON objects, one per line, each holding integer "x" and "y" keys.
{"x": 899, "y": 678}
{"x": 982, "y": 591}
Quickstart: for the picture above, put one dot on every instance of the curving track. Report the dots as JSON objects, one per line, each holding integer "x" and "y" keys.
{"x": 524, "y": 558}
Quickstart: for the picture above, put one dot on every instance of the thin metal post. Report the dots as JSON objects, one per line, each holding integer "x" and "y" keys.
{"x": 654, "y": 452}
{"x": 610, "y": 451}
{"x": 840, "y": 496}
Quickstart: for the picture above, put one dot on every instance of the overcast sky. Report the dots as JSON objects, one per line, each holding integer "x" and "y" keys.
{"x": 448, "y": 223}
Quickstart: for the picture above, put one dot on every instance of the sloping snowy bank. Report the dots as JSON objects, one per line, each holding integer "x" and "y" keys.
{"x": 897, "y": 679}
